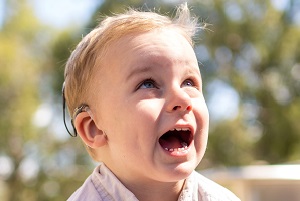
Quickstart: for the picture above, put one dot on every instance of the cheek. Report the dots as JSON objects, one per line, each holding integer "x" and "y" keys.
{"x": 132, "y": 117}
{"x": 201, "y": 112}
{"x": 202, "y": 120}
{"x": 133, "y": 127}
{"x": 148, "y": 109}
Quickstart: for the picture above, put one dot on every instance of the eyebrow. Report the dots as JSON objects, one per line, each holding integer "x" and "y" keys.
{"x": 144, "y": 69}
{"x": 194, "y": 70}
{"x": 138, "y": 70}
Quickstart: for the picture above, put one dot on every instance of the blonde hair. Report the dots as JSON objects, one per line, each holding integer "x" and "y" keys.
{"x": 91, "y": 50}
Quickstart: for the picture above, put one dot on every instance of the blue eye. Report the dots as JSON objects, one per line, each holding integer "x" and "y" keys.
{"x": 188, "y": 83}
{"x": 147, "y": 84}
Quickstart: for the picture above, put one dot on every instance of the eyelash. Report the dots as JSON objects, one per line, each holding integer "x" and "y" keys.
{"x": 147, "y": 81}
{"x": 194, "y": 82}
{"x": 188, "y": 82}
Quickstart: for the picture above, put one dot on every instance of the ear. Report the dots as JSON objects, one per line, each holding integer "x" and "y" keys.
{"x": 91, "y": 135}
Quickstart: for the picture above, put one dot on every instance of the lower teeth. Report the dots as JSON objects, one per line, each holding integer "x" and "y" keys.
{"x": 184, "y": 147}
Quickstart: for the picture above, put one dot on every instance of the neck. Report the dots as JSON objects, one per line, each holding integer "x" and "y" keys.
{"x": 160, "y": 191}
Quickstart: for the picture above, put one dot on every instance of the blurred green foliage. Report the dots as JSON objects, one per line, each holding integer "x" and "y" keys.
{"x": 250, "y": 46}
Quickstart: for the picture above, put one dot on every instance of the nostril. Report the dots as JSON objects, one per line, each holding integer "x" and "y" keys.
{"x": 177, "y": 100}
{"x": 176, "y": 107}
{"x": 189, "y": 108}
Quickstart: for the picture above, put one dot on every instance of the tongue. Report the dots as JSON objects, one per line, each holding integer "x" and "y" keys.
{"x": 171, "y": 142}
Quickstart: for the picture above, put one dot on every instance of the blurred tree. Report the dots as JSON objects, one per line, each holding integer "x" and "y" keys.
{"x": 19, "y": 75}
{"x": 254, "y": 48}
{"x": 35, "y": 164}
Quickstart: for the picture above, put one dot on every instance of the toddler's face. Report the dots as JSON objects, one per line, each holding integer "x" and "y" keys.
{"x": 150, "y": 104}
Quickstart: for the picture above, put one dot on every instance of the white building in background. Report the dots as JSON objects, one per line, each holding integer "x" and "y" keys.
{"x": 260, "y": 182}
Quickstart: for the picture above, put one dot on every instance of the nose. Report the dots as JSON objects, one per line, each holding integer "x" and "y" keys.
{"x": 178, "y": 100}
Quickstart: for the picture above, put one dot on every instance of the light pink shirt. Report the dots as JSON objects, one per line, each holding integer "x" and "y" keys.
{"x": 103, "y": 185}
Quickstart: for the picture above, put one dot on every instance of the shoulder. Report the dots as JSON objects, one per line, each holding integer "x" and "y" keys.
{"x": 102, "y": 185}
{"x": 86, "y": 192}
{"x": 210, "y": 190}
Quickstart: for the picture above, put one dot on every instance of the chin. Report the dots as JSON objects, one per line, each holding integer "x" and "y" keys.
{"x": 180, "y": 172}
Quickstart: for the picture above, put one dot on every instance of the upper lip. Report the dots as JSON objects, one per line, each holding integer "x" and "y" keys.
{"x": 184, "y": 127}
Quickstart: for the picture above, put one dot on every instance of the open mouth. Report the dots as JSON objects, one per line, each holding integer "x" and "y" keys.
{"x": 176, "y": 140}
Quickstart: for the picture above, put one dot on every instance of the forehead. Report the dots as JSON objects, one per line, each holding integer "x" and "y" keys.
{"x": 154, "y": 41}
{"x": 159, "y": 46}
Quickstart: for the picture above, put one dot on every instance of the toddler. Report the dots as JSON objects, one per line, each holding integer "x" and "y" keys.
{"x": 134, "y": 92}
